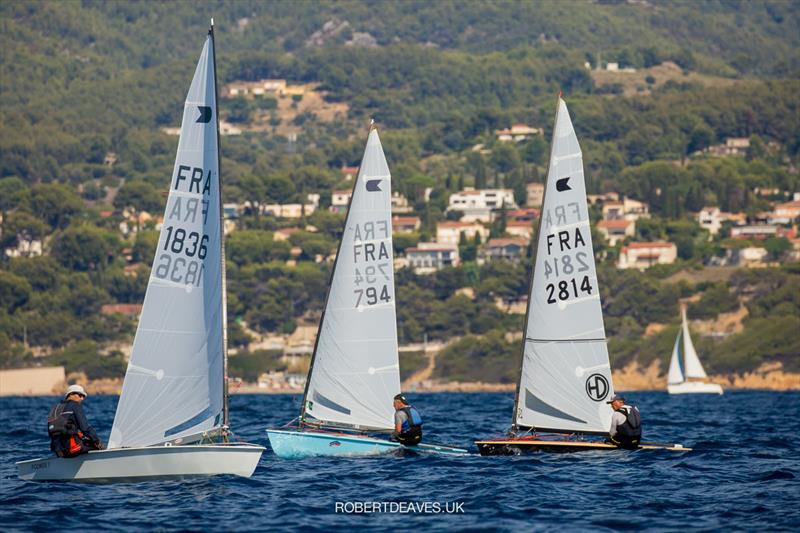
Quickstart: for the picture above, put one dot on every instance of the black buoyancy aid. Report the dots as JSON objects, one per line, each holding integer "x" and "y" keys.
{"x": 413, "y": 420}
{"x": 60, "y": 423}
{"x": 631, "y": 430}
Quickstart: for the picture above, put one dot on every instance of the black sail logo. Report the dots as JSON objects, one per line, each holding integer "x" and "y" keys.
{"x": 597, "y": 387}
{"x": 205, "y": 114}
{"x": 373, "y": 185}
{"x": 562, "y": 185}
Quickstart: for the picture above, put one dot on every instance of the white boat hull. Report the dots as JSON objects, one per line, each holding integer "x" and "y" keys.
{"x": 695, "y": 387}
{"x": 145, "y": 464}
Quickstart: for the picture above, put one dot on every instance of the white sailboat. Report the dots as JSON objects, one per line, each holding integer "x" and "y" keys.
{"x": 686, "y": 374}
{"x": 355, "y": 370}
{"x": 565, "y": 379}
{"x": 172, "y": 415}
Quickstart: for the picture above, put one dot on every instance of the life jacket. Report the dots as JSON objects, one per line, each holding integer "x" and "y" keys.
{"x": 413, "y": 419}
{"x": 629, "y": 432}
{"x": 60, "y": 423}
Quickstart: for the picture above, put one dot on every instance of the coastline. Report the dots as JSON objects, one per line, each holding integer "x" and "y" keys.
{"x": 769, "y": 376}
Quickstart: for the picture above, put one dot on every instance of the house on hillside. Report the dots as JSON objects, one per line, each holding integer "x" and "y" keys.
{"x": 517, "y": 133}
{"x": 627, "y": 209}
{"x": 340, "y": 200}
{"x": 428, "y": 257}
{"x": 749, "y": 257}
{"x": 534, "y": 194}
{"x": 521, "y": 229}
{"x": 786, "y": 213}
{"x": 349, "y": 173}
{"x": 616, "y": 230}
{"x": 405, "y": 224}
{"x": 400, "y": 203}
{"x": 643, "y": 255}
{"x": 478, "y": 204}
{"x": 449, "y": 232}
{"x": 504, "y": 249}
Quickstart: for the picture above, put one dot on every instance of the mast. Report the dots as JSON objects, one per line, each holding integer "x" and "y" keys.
{"x": 514, "y": 426}
{"x": 330, "y": 283}
{"x": 225, "y": 420}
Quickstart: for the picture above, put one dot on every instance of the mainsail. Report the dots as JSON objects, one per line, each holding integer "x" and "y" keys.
{"x": 692, "y": 366}
{"x": 174, "y": 385}
{"x": 566, "y": 376}
{"x": 355, "y": 367}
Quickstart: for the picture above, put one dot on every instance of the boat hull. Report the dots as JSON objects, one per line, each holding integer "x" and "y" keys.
{"x": 695, "y": 387}
{"x": 145, "y": 464}
{"x": 527, "y": 445}
{"x": 300, "y": 444}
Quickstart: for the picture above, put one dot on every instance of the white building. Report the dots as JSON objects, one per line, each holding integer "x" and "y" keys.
{"x": 710, "y": 219}
{"x": 428, "y": 257}
{"x": 502, "y": 248}
{"x": 616, "y": 230}
{"x": 517, "y": 133}
{"x": 786, "y": 212}
{"x": 477, "y": 205}
{"x": 643, "y": 255}
{"x": 288, "y": 210}
{"x": 450, "y": 232}
{"x": 626, "y": 208}
{"x": 340, "y": 200}
{"x": 400, "y": 203}
{"x": 534, "y": 194}
{"x": 405, "y": 224}
{"x": 522, "y": 229}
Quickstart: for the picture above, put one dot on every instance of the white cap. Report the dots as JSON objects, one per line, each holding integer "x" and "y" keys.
{"x": 75, "y": 389}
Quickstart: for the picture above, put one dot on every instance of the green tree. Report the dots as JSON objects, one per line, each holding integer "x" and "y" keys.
{"x": 84, "y": 247}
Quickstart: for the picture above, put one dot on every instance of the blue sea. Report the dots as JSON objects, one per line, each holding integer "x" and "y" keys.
{"x": 742, "y": 475}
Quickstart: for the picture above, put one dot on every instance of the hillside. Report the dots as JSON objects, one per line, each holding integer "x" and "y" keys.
{"x": 90, "y": 89}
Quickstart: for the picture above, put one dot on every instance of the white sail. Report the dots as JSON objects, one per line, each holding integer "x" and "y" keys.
{"x": 692, "y": 365}
{"x": 173, "y": 387}
{"x": 675, "y": 374}
{"x": 566, "y": 376}
{"x": 355, "y": 371}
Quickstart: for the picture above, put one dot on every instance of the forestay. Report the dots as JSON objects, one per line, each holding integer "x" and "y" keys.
{"x": 355, "y": 369}
{"x": 566, "y": 377}
{"x": 173, "y": 387}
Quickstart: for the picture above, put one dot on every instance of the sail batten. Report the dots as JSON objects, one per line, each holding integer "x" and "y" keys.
{"x": 173, "y": 387}
{"x": 355, "y": 371}
{"x": 566, "y": 375}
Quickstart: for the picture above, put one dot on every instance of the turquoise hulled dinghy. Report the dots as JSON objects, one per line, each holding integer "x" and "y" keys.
{"x": 355, "y": 368}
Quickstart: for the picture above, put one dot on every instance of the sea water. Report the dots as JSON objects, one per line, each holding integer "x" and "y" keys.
{"x": 741, "y": 475}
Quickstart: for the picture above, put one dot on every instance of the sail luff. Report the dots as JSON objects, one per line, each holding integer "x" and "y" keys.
{"x": 225, "y": 411}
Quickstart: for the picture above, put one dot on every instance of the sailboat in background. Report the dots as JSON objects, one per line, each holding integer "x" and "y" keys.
{"x": 565, "y": 379}
{"x": 172, "y": 415}
{"x": 686, "y": 374}
{"x": 355, "y": 370}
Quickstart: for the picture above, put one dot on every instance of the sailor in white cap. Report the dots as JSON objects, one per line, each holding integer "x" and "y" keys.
{"x": 68, "y": 427}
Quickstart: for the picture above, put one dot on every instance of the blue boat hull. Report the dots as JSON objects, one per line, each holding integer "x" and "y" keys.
{"x": 298, "y": 444}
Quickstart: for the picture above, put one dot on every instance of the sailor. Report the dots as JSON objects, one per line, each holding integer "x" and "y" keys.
{"x": 626, "y": 424}
{"x": 407, "y": 422}
{"x": 70, "y": 432}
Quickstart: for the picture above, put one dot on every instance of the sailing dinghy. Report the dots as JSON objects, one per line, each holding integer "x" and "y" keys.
{"x": 355, "y": 371}
{"x": 686, "y": 374}
{"x": 566, "y": 376}
{"x": 172, "y": 415}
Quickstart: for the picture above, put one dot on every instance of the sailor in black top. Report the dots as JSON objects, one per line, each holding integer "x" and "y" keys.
{"x": 626, "y": 424}
{"x": 68, "y": 427}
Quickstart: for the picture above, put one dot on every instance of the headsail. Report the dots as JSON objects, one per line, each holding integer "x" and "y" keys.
{"x": 566, "y": 376}
{"x": 692, "y": 365}
{"x": 355, "y": 370}
{"x": 675, "y": 374}
{"x": 173, "y": 387}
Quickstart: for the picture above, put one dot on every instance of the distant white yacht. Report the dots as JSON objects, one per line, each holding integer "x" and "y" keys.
{"x": 686, "y": 374}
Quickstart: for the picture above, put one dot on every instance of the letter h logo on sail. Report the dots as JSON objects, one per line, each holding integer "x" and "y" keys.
{"x": 597, "y": 387}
